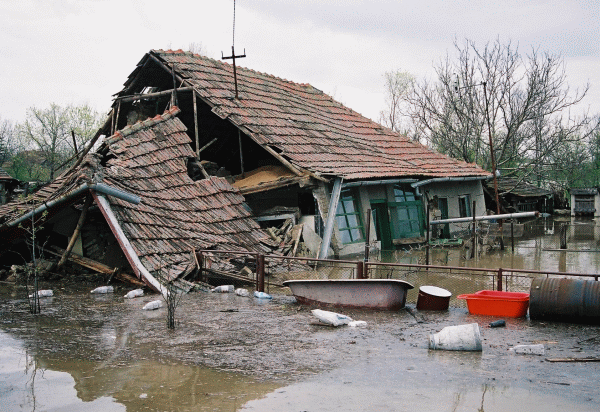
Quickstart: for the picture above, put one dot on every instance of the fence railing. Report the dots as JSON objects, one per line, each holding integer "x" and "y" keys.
{"x": 268, "y": 272}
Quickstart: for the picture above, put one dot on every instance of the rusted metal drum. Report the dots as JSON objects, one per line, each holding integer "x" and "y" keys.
{"x": 433, "y": 298}
{"x": 565, "y": 300}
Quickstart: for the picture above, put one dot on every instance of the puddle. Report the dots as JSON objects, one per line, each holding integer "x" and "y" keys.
{"x": 33, "y": 382}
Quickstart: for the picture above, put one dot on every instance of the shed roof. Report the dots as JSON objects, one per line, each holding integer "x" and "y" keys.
{"x": 306, "y": 126}
{"x": 520, "y": 188}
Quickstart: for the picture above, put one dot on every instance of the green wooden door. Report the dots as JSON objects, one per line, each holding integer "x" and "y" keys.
{"x": 443, "y": 205}
{"x": 381, "y": 218}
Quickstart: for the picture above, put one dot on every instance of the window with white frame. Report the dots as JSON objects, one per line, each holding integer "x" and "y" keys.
{"x": 348, "y": 218}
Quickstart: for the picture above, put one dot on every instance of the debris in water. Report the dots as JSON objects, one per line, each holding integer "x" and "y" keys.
{"x": 262, "y": 295}
{"x": 460, "y": 337}
{"x": 331, "y": 318}
{"x": 224, "y": 289}
{"x": 103, "y": 289}
{"x": 46, "y": 293}
{"x": 155, "y": 304}
{"x": 537, "y": 349}
{"x": 242, "y": 292}
{"x": 134, "y": 293}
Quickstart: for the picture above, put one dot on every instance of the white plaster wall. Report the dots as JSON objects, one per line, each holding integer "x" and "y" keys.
{"x": 452, "y": 190}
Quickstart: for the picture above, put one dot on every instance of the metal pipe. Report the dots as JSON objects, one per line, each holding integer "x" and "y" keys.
{"x": 486, "y": 217}
{"x": 378, "y": 182}
{"x": 449, "y": 179}
{"x": 97, "y": 187}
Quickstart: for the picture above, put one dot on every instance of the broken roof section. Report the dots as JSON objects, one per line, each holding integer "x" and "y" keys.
{"x": 175, "y": 216}
{"x": 303, "y": 126}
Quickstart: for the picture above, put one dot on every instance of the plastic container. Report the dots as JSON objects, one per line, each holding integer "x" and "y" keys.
{"x": 155, "y": 304}
{"x": 134, "y": 293}
{"x": 242, "y": 292}
{"x": 331, "y": 318}
{"x": 44, "y": 293}
{"x": 224, "y": 289}
{"x": 262, "y": 295}
{"x": 103, "y": 289}
{"x": 537, "y": 349}
{"x": 433, "y": 298}
{"x": 497, "y": 303}
{"x": 460, "y": 337}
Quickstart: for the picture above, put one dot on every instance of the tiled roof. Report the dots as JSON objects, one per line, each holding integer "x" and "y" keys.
{"x": 308, "y": 127}
{"x": 176, "y": 214}
{"x": 4, "y": 175}
{"x": 519, "y": 188}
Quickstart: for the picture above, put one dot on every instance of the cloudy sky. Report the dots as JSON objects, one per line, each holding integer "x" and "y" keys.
{"x": 81, "y": 51}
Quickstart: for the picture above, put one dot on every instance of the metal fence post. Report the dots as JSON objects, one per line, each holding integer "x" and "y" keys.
{"x": 427, "y": 237}
{"x": 512, "y": 235}
{"x": 474, "y": 245}
{"x": 360, "y": 266}
{"x": 260, "y": 272}
{"x": 499, "y": 285}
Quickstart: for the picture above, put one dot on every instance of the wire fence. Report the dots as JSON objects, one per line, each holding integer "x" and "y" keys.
{"x": 482, "y": 236}
{"x": 268, "y": 272}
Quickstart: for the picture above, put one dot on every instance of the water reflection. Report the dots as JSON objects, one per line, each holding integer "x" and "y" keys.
{"x": 32, "y": 382}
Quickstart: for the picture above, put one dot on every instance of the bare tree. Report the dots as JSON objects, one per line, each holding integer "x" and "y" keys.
{"x": 197, "y": 48}
{"x": 6, "y": 138}
{"x": 50, "y": 132}
{"x": 398, "y": 86}
{"x": 523, "y": 101}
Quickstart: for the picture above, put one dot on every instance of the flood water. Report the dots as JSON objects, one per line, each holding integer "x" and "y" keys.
{"x": 87, "y": 352}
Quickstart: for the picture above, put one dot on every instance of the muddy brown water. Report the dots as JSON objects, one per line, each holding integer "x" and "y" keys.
{"x": 229, "y": 353}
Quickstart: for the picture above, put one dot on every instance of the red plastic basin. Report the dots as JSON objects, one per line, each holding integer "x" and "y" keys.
{"x": 497, "y": 303}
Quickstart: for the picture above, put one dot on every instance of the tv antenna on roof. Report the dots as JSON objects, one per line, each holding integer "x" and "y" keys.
{"x": 233, "y": 56}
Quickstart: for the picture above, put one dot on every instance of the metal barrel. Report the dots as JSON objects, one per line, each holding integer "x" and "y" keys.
{"x": 565, "y": 300}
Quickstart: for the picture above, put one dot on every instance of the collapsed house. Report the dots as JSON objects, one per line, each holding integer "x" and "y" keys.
{"x": 293, "y": 151}
{"x": 8, "y": 184}
{"x": 517, "y": 196}
{"x": 295, "y": 154}
{"x": 132, "y": 205}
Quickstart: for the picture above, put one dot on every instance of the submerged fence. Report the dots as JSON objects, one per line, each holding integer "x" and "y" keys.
{"x": 550, "y": 235}
{"x": 268, "y": 272}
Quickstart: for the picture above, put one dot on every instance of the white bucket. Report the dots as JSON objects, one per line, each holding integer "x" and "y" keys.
{"x": 461, "y": 337}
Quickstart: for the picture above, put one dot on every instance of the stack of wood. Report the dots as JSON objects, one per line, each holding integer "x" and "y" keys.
{"x": 287, "y": 237}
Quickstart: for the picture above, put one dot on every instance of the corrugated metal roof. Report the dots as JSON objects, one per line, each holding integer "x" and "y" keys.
{"x": 308, "y": 127}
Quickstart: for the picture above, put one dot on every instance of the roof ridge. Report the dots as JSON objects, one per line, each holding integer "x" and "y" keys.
{"x": 229, "y": 65}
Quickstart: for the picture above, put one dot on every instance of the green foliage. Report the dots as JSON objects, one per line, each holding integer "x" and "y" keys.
{"x": 44, "y": 141}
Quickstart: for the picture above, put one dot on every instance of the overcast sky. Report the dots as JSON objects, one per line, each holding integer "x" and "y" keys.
{"x": 81, "y": 51}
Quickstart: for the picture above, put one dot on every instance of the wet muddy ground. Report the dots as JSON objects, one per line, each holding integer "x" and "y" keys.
{"x": 228, "y": 353}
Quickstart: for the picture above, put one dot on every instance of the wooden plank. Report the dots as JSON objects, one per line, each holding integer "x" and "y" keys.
{"x": 573, "y": 359}
{"x": 98, "y": 267}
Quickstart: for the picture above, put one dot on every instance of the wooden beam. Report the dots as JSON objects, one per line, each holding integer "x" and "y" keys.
{"x": 80, "y": 222}
{"x": 147, "y": 96}
{"x": 196, "y": 126}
